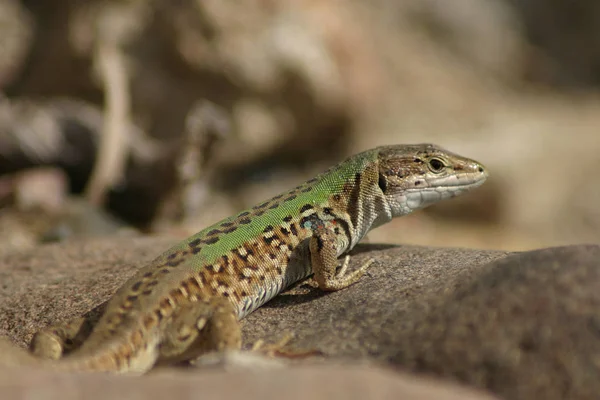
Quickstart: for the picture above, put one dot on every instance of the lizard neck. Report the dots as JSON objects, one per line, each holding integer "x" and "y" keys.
{"x": 373, "y": 214}
{"x": 364, "y": 205}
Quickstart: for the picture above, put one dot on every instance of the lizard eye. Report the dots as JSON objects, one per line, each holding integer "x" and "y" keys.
{"x": 436, "y": 165}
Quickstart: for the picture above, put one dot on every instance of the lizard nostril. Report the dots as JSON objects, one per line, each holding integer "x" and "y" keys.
{"x": 480, "y": 168}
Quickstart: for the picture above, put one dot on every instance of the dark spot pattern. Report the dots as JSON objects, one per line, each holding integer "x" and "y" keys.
{"x": 230, "y": 229}
{"x": 262, "y": 205}
{"x": 211, "y": 240}
{"x": 240, "y": 254}
{"x": 191, "y": 284}
{"x": 218, "y": 268}
{"x": 306, "y": 207}
{"x": 203, "y": 279}
{"x": 320, "y": 243}
{"x": 242, "y": 277}
{"x": 269, "y": 240}
{"x": 195, "y": 242}
{"x": 253, "y": 267}
{"x": 221, "y": 282}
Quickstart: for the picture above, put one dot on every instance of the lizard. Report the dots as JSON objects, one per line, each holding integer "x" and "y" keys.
{"x": 189, "y": 300}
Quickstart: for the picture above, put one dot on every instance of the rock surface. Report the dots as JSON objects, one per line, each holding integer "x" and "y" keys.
{"x": 528, "y": 327}
{"x": 522, "y": 325}
{"x": 298, "y": 383}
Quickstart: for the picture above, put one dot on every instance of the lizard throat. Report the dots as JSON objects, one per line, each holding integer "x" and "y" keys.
{"x": 413, "y": 199}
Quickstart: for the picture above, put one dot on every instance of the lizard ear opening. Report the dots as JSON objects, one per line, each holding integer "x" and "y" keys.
{"x": 382, "y": 183}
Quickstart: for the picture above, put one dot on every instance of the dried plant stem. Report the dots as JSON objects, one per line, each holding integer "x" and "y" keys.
{"x": 114, "y": 144}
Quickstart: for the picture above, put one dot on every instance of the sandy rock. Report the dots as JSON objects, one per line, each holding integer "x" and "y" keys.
{"x": 522, "y": 325}
{"x": 528, "y": 327}
{"x": 293, "y": 384}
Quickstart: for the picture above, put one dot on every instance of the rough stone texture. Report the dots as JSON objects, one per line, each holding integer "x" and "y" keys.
{"x": 527, "y": 328}
{"x": 58, "y": 282}
{"x": 62, "y": 281}
{"x": 523, "y": 325}
{"x": 361, "y": 324}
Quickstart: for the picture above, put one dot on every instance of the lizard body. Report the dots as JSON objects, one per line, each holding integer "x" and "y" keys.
{"x": 188, "y": 301}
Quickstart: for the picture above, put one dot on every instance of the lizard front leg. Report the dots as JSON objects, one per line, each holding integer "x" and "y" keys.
{"x": 323, "y": 247}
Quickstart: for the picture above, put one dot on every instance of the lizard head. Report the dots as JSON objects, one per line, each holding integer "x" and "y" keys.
{"x": 416, "y": 176}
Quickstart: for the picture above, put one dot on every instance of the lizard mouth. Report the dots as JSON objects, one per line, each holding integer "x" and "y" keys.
{"x": 442, "y": 188}
{"x": 458, "y": 182}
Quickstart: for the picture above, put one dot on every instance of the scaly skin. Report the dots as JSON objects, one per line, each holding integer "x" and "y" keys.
{"x": 189, "y": 300}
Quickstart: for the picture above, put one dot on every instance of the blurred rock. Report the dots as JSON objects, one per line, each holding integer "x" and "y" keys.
{"x": 486, "y": 35}
{"x": 526, "y": 328}
{"x": 315, "y": 383}
{"x": 61, "y": 133}
{"x": 16, "y": 37}
{"x": 306, "y": 83}
{"x": 565, "y": 37}
{"x": 42, "y": 189}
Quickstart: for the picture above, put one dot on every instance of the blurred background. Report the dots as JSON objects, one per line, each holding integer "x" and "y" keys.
{"x": 151, "y": 116}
